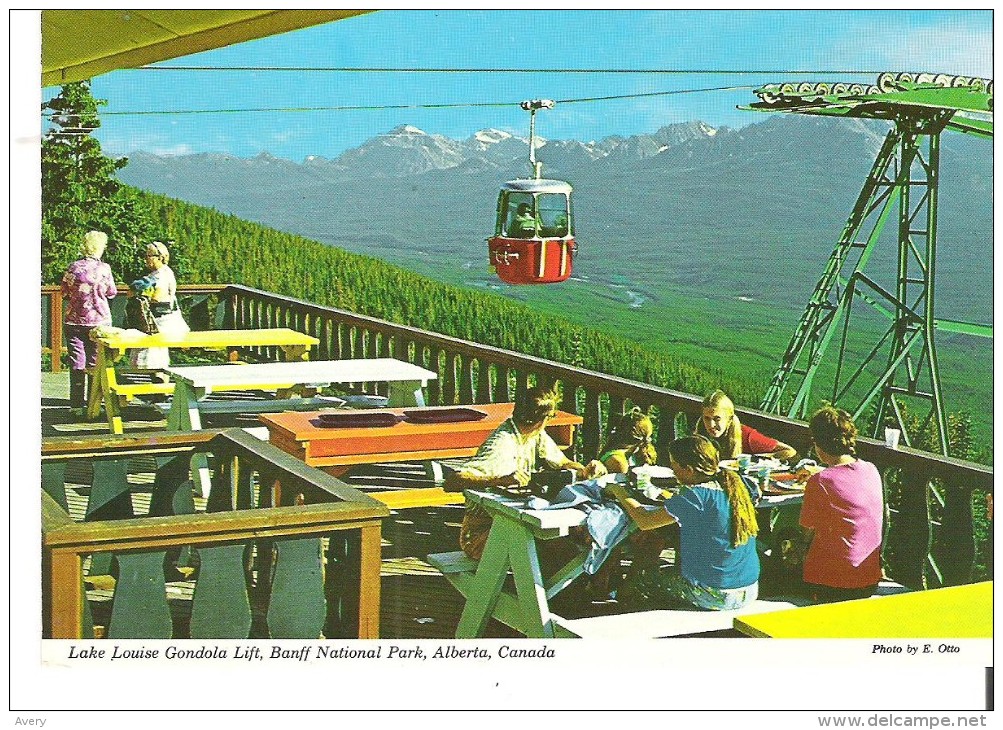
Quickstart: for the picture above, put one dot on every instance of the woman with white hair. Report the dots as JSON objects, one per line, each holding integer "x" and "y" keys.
{"x": 87, "y": 285}
{"x": 161, "y": 288}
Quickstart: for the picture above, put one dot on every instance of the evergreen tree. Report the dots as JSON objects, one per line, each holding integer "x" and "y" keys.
{"x": 80, "y": 192}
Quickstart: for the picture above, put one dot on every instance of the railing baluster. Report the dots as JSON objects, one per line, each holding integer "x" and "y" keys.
{"x": 617, "y": 408}
{"x": 954, "y": 541}
{"x": 908, "y": 537}
{"x": 345, "y": 348}
{"x": 501, "y": 391}
{"x": 54, "y": 481}
{"x": 325, "y": 333}
{"x": 296, "y": 607}
{"x": 221, "y": 608}
{"x": 483, "y": 381}
{"x": 466, "y": 379}
{"x": 591, "y": 427}
{"x": 139, "y": 607}
{"x": 435, "y": 396}
{"x": 521, "y": 384}
{"x": 449, "y": 380}
{"x": 337, "y": 329}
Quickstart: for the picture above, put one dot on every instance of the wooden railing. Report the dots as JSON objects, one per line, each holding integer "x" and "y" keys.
{"x": 195, "y": 299}
{"x": 255, "y": 554}
{"x": 930, "y": 535}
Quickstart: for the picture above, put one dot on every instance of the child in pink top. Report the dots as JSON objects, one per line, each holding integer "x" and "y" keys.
{"x": 844, "y": 508}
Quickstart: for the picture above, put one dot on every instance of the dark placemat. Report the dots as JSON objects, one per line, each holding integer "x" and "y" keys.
{"x": 357, "y": 420}
{"x": 443, "y": 415}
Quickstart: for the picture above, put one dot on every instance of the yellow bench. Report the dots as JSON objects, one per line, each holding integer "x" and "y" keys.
{"x": 106, "y": 391}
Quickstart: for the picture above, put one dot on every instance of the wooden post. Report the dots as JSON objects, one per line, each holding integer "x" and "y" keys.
{"x": 369, "y": 582}
{"x": 67, "y": 594}
{"x": 56, "y": 331}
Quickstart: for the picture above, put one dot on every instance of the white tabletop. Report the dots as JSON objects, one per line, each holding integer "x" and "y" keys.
{"x": 304, "y": 372}
{"x": 515, "y": 509}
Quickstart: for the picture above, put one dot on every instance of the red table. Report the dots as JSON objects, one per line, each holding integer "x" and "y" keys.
{"x": 336, "y": 450}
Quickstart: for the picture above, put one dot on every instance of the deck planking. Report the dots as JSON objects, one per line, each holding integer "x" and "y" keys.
{"x": 417, "y": 602}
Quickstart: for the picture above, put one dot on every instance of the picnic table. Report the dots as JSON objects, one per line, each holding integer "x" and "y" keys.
{"x": 194, "y": 383}
{"x": 336, "y": 450}
{"x": 512, "y": 546}
{"x": 106, "y": 390}
{"x": 957, "y": 612}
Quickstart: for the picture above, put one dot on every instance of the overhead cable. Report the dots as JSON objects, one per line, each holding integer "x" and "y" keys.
{"x": 377, "y": 107}
{"x": 436, "y": 70}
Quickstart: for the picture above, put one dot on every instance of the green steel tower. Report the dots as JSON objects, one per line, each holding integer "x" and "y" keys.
{"x": 894, "y": 362}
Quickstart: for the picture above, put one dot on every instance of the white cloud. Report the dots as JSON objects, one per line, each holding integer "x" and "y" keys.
{"x": 173, "y": 150}
{"x": 154, "y": 144}
{"x": 952, "y": 47}
{"x": 956, "y": 50}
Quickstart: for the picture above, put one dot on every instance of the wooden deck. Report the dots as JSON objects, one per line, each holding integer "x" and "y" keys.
{"x": 417, "y": 601}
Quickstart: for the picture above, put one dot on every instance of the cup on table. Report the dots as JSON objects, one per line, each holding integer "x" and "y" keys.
{"x": 743, "y": 461}
{"x": 892, "y": 438}
{"x": 652, "y": 492}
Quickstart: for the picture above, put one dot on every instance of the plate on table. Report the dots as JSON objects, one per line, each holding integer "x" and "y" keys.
{"x": 443, "y": 415}
{"x": 655, "y": 471}
{"x": 768, "y": 463}
{"x": 781, "y": 487}
{"x": 757, "y": 463}
{"x": 349, "y": 419}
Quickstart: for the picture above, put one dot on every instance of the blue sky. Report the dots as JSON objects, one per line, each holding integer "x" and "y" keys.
{"x": 937, "y": 41}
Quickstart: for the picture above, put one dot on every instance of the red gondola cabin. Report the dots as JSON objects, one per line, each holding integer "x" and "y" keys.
{"x": 534, "y": 241}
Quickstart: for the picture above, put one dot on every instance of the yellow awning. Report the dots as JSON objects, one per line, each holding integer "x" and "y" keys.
{"x": 81, "y": 44}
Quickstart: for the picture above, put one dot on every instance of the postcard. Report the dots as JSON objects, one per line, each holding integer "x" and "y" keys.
{"x": 386, "y": 353}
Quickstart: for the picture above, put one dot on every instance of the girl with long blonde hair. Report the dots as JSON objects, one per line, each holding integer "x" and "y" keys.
{"x": 717, "y": 566}
{"x": 720, "y": 424}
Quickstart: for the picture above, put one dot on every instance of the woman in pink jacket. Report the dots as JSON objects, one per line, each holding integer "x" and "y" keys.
{"x": 88, "y": 285}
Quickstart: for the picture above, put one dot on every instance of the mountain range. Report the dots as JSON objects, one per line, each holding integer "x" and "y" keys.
{"x": 748, "y": 213}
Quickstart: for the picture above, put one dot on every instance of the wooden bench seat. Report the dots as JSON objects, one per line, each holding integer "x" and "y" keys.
{"x": 455, "y": 562}
{"x": 424, "y": 497}
{"x": 663, "y": 623}
{"x": 459, "y": 569}
{"x": 259, "y": 405}
{"x": 129, "y": 390}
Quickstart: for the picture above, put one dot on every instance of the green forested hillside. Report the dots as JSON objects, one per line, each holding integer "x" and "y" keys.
{"x": 214, "y": 247}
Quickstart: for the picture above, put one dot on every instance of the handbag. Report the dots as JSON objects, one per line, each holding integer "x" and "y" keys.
{"x": 474, "y": 531}
{"x": 173, "y": 324}
{"x": 139, "y": 316}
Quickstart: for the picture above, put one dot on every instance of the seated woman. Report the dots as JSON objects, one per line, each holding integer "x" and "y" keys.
{"x": 843, "y": 508}
{"x": 717, "y": 567}
{"x": 719, "y": 423}
{"x": 509, "y": 457}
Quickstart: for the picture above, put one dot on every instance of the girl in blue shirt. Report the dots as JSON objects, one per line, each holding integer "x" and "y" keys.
{"x": 717, "y": 566}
